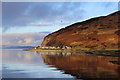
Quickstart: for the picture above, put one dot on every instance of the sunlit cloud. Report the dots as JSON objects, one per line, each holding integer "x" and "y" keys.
{"x": 25, "y": 39}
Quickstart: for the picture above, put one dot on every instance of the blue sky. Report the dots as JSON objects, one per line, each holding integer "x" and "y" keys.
{"x": 23, "y": 17}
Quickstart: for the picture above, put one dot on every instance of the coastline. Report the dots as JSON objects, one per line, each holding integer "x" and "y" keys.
{"x": 70, "y": 50}
{"x": 97, "y": 52}
{"x": 51, "y": 50}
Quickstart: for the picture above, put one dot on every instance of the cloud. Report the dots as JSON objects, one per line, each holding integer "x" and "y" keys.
{"x": 39, "y": 25}
{"x": 28, "y": 40}
{"x": 24, "y": 39}
{"x": 19, "y": 14}
{"x": 13, "y": 11}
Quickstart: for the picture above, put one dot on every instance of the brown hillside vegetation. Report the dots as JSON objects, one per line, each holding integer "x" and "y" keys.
{"x": 100, "y": 32}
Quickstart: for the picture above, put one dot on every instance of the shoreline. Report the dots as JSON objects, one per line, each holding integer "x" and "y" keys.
{"x": 70, "y": 50}
{"x": 50, "y": 50}
{"x": 107, "y": 52}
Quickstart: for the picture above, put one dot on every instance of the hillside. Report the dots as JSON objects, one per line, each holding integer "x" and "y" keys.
{"x": 100, "y": 32}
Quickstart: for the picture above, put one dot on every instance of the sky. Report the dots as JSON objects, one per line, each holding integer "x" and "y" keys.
{"x": 26, "y": 17}
{"x": 23, "y": 39}
{"x": 27, "y": 23}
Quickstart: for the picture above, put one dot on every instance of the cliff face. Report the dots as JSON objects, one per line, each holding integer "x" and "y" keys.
{"x": 100, "y": 32}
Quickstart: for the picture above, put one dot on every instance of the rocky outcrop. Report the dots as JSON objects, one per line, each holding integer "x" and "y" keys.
{"x": 100, "y": 32}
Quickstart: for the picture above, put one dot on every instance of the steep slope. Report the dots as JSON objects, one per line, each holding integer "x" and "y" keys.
{"x": 100, "y": 32}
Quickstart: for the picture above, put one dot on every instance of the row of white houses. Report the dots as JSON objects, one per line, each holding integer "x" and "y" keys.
{"x": 64, "y": 47}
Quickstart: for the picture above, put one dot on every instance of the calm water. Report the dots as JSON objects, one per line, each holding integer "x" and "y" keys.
{"x": 26, "y": 64}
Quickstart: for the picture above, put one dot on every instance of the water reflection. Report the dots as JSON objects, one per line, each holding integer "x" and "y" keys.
{"x": 83, "y": 65}
{"x": 25, "y": 64}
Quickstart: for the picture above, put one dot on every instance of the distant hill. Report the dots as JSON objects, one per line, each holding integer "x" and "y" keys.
{"x": 100, "y": 32}
{"x": 16, "y": 47}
